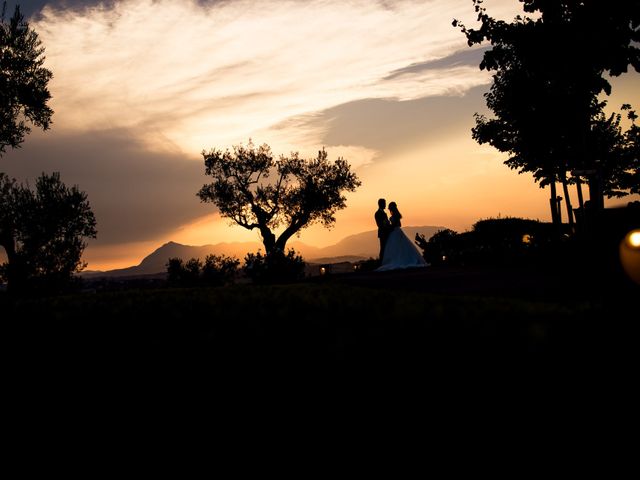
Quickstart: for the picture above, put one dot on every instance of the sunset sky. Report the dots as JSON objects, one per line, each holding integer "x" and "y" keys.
{"x": 141, "y": 87}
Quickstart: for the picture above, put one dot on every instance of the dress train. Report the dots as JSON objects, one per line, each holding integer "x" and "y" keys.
{"x": 400, "y": 252}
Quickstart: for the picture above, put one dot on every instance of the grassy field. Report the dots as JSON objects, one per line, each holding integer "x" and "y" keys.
{"x": 322, "y": 330}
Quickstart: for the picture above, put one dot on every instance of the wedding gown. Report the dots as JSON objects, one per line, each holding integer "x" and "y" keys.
{"x": 400, "y": 251}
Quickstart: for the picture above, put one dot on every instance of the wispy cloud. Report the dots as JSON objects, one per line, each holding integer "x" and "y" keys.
{"x": 140, "y": 87}
{"x": 198, "y": 75}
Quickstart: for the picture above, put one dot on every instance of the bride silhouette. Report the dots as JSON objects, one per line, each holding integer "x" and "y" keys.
{"x": 399, "y": 251}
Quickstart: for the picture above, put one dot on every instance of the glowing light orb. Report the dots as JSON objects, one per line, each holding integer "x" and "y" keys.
{"x": 630, "y": 255}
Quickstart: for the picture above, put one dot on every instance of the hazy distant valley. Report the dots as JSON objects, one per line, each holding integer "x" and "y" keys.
{"x": 352, "y": 248}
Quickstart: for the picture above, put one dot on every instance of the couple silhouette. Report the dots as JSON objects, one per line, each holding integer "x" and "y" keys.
{"x": 396, "y": 248}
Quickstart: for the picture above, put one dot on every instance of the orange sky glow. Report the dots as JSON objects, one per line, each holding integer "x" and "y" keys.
{"x": 141, "y": 87}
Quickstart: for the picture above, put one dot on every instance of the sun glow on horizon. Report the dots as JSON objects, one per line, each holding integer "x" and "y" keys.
{"x": 172, "y": 79}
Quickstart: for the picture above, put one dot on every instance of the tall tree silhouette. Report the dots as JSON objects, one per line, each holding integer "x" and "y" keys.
{"x": 618, "y": 152}
{"x": 23, "y": 81}
{"x": 548, "y": 73}
{"x": 256, "y": 191}
{"x": 43, "y": 232}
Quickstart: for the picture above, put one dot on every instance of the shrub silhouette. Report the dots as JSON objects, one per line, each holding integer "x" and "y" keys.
{"x": 275, "y": 267}
{"x": 43, "y": 232}
{"x": 491, "y": 241}
{"x": 217, "y": 270}
{"x": 442, "y": 247}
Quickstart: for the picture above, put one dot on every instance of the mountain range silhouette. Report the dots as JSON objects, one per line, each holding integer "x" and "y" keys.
{"x": 352, "y": 248}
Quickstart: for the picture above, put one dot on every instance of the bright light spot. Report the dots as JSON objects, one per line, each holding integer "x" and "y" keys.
{"x": 630, "y": 255}
{"x": 526, "y": 238}
{"x": 323, "y": 270}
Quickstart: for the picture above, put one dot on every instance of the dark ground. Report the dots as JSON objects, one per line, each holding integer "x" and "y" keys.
{"x": 452, "y": 280}
{"x": 448, "y": 345}
{"x": 555, "y": 283}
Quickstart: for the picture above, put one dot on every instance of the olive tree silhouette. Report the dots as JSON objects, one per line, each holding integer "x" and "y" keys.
{"x": 256, "y": 191}
{"x": 43, "y": 232}
{"x": 23, "y": 81}
{"x": 548, "y": 73}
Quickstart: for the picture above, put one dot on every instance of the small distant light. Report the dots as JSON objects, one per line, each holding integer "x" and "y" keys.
{"x": 444, "y": 258}
{"x": 526, "y": 238}
{"x": 323, "y": 270}
{"x": 634, "y": 238}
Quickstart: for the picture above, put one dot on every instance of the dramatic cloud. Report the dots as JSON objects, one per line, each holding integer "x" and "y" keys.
{"x": 389, "y": 126}
{"x": 198, "y": 74}
{"x": 141, "y": 87}
{"x": 136, "y": 194}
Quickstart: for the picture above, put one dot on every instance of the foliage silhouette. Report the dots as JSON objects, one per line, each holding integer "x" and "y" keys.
{"x": 300, "y": 193}
{"x": 618, "y": 152}
{"x": 368, "y": 265}
{"x": 440, "y": 248}
{"x": 549, "y": 72}
{"x": 274, "y": 268}
{"x": 494, "y": 241}
{"x": 43, "y": 232}
{"x": 217, "y": 270}
{"x": 23, "y": 81}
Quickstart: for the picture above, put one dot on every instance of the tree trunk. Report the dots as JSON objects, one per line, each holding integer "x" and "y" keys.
{"x": 553, "y": 202}
{"x": 289, "y": 232}
{"x": 13, "y": 269}
{"x": 565, "y": 188}
{"x": 268, "y": 239}
{"x": 581, "y": 218}
{"x": 596, "y": 198}
{"x": 555, "y": 211}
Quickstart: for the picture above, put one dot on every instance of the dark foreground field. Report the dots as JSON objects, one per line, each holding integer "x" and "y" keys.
{"x": 414, "y": 328}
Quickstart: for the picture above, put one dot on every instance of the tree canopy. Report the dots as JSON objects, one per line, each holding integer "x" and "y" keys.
{"x": 255, "y": 190}
{"x": 549, "y": 70}
{"x": 43, "y": 231}
{"x": 23, "y": 81}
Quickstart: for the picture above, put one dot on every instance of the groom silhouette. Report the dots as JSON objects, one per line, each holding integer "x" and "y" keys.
{"x": 384, "y": 226}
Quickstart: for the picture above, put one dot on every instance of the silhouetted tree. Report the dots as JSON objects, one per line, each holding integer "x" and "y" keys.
{"x": 275, "y": 268}
{"x": 256, "y": 191}
{"x": 215, "y": 271}
{"x": 23, "y": 81}
{"x": 219, "y": 269}
{"x": 43, "y": 231}
{"x": 493, "y": 241}
{"x": 439, "y": 248}
{"x": 175, "y": 269}
{"x": 618, "y": 152}
{"x": 549, "y": 71}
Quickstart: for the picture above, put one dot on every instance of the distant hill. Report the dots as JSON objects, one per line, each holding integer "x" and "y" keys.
{"x": 352, "y": 248}
{"x": 365, "y": 244}
{"x": 156, "y": 261}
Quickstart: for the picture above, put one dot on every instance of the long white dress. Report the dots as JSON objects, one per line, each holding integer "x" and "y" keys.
{"x": 400, "y": 251}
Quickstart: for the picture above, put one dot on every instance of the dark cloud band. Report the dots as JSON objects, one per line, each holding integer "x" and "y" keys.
{"x": 32, "y": 7}
{"x": 135, "y": 193}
